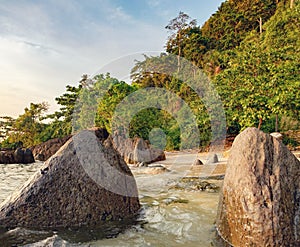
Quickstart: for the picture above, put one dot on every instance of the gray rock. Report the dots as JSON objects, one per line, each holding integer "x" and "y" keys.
{"x": 7, "y": 157}
{"x": 22, "y": 156}
{"x": 197, "y": 162}
{"x": 212, "y": 159}
{"x": 46, "y": 149}
{"x": 28, "y": 156}
{"x": 84, "y": 184}
{"x": 19, "y": 156}
{"x": 141, "y": 152}
{"x": 260, "y": 201}
{"x": 136, "y": 150}
{"x": 52, "y": 241}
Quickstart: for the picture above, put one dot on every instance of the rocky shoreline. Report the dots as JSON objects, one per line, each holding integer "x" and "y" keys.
{"x": 259, "y": 157}
{"x": 75, "y": 187}
{"x": 18, "y": 156}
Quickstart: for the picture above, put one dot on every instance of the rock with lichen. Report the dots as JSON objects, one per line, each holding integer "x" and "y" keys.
{"x": 260, "y": 202}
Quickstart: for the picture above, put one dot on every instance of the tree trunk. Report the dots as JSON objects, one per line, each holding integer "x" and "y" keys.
{"x": 178, "y": 63}
{"x": 178, "y": 58}
{"x": 260, "y": 25}
{"x": 179, "y": 52}
{"x": 292, "y": 3}
{"x": 276, "y": 123}
{"x": 260, "y": 123}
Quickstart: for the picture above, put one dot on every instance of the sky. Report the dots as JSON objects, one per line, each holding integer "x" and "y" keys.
{"x": 46, "y": 45}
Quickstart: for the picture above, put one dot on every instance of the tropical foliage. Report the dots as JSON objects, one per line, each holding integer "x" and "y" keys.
{"x": 248, "y": 49}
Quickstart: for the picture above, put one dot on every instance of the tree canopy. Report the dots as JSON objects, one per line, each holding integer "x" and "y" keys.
{"x": 248, "y": 49}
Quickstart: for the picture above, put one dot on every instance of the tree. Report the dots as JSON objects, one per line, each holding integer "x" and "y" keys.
{"x": 27, "y": 127}
{"x": 61, "y": 121}
{"x": 262, "y": 81}
{"x": 106, "y": 104}
{"x": 6, "y": 126}
{"x": 178, "y": 26}
{"x": 235, "y": 19}
{"x": 193, "y": 46}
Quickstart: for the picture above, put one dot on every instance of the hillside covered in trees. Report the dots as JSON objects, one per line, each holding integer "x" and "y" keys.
{"x": 248, "y": 49}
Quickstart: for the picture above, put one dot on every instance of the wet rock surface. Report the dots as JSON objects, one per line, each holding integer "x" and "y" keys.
{"x": 18, "y": 156}
{"x": 260, "y": 201}
{"x": 152, "y": 169}
{"x": 78, "y": 186}
{"x": 196, "y": 184}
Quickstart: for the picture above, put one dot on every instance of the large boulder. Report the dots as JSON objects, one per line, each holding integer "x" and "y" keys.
{"x": 23, "y": 156}
{"x": 84, "y": 184}
{"x": 18, "y": 156}
{"x": 7, "y": 157}
{"x": 28, "y": 156}
{"x": 143, "y": 152}
{"x": 46, "y": 149}
{"x": 136, "y": 150}
{"x": 260, "y": 201}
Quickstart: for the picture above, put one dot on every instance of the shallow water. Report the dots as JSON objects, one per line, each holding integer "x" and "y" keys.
{"x": 168, "y": 217}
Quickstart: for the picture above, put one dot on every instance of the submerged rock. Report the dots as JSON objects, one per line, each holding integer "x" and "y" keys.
{"x": 85, "y": 183}
{"x": 260, "y": 202}
{"x": 153, "y": 169}
{"x": 195, "y": 184}
{"x": 174, "y": 200}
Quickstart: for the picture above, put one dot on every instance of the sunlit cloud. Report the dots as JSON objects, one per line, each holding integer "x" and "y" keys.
{"x": 46, "y": 45}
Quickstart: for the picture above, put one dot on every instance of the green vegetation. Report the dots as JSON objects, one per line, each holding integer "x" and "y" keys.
{"x": 248, "y": 49}
{"x": 261, "y": 80}
{"x": 27, "y": 128}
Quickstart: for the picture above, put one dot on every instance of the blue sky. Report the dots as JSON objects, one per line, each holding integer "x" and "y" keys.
{"x": 45, "y": 45}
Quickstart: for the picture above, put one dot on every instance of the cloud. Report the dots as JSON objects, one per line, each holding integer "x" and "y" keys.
{"x": 24, "y": 19}
{"x": 153, "y": 3}
{"x": 48, "y": 45}
{"x": 119, "y": 15}
{"x": 31, "y": 74}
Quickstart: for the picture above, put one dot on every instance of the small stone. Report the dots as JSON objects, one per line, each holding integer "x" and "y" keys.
{"x": 212, "y": 159}
{"x": 197, "y": 162}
